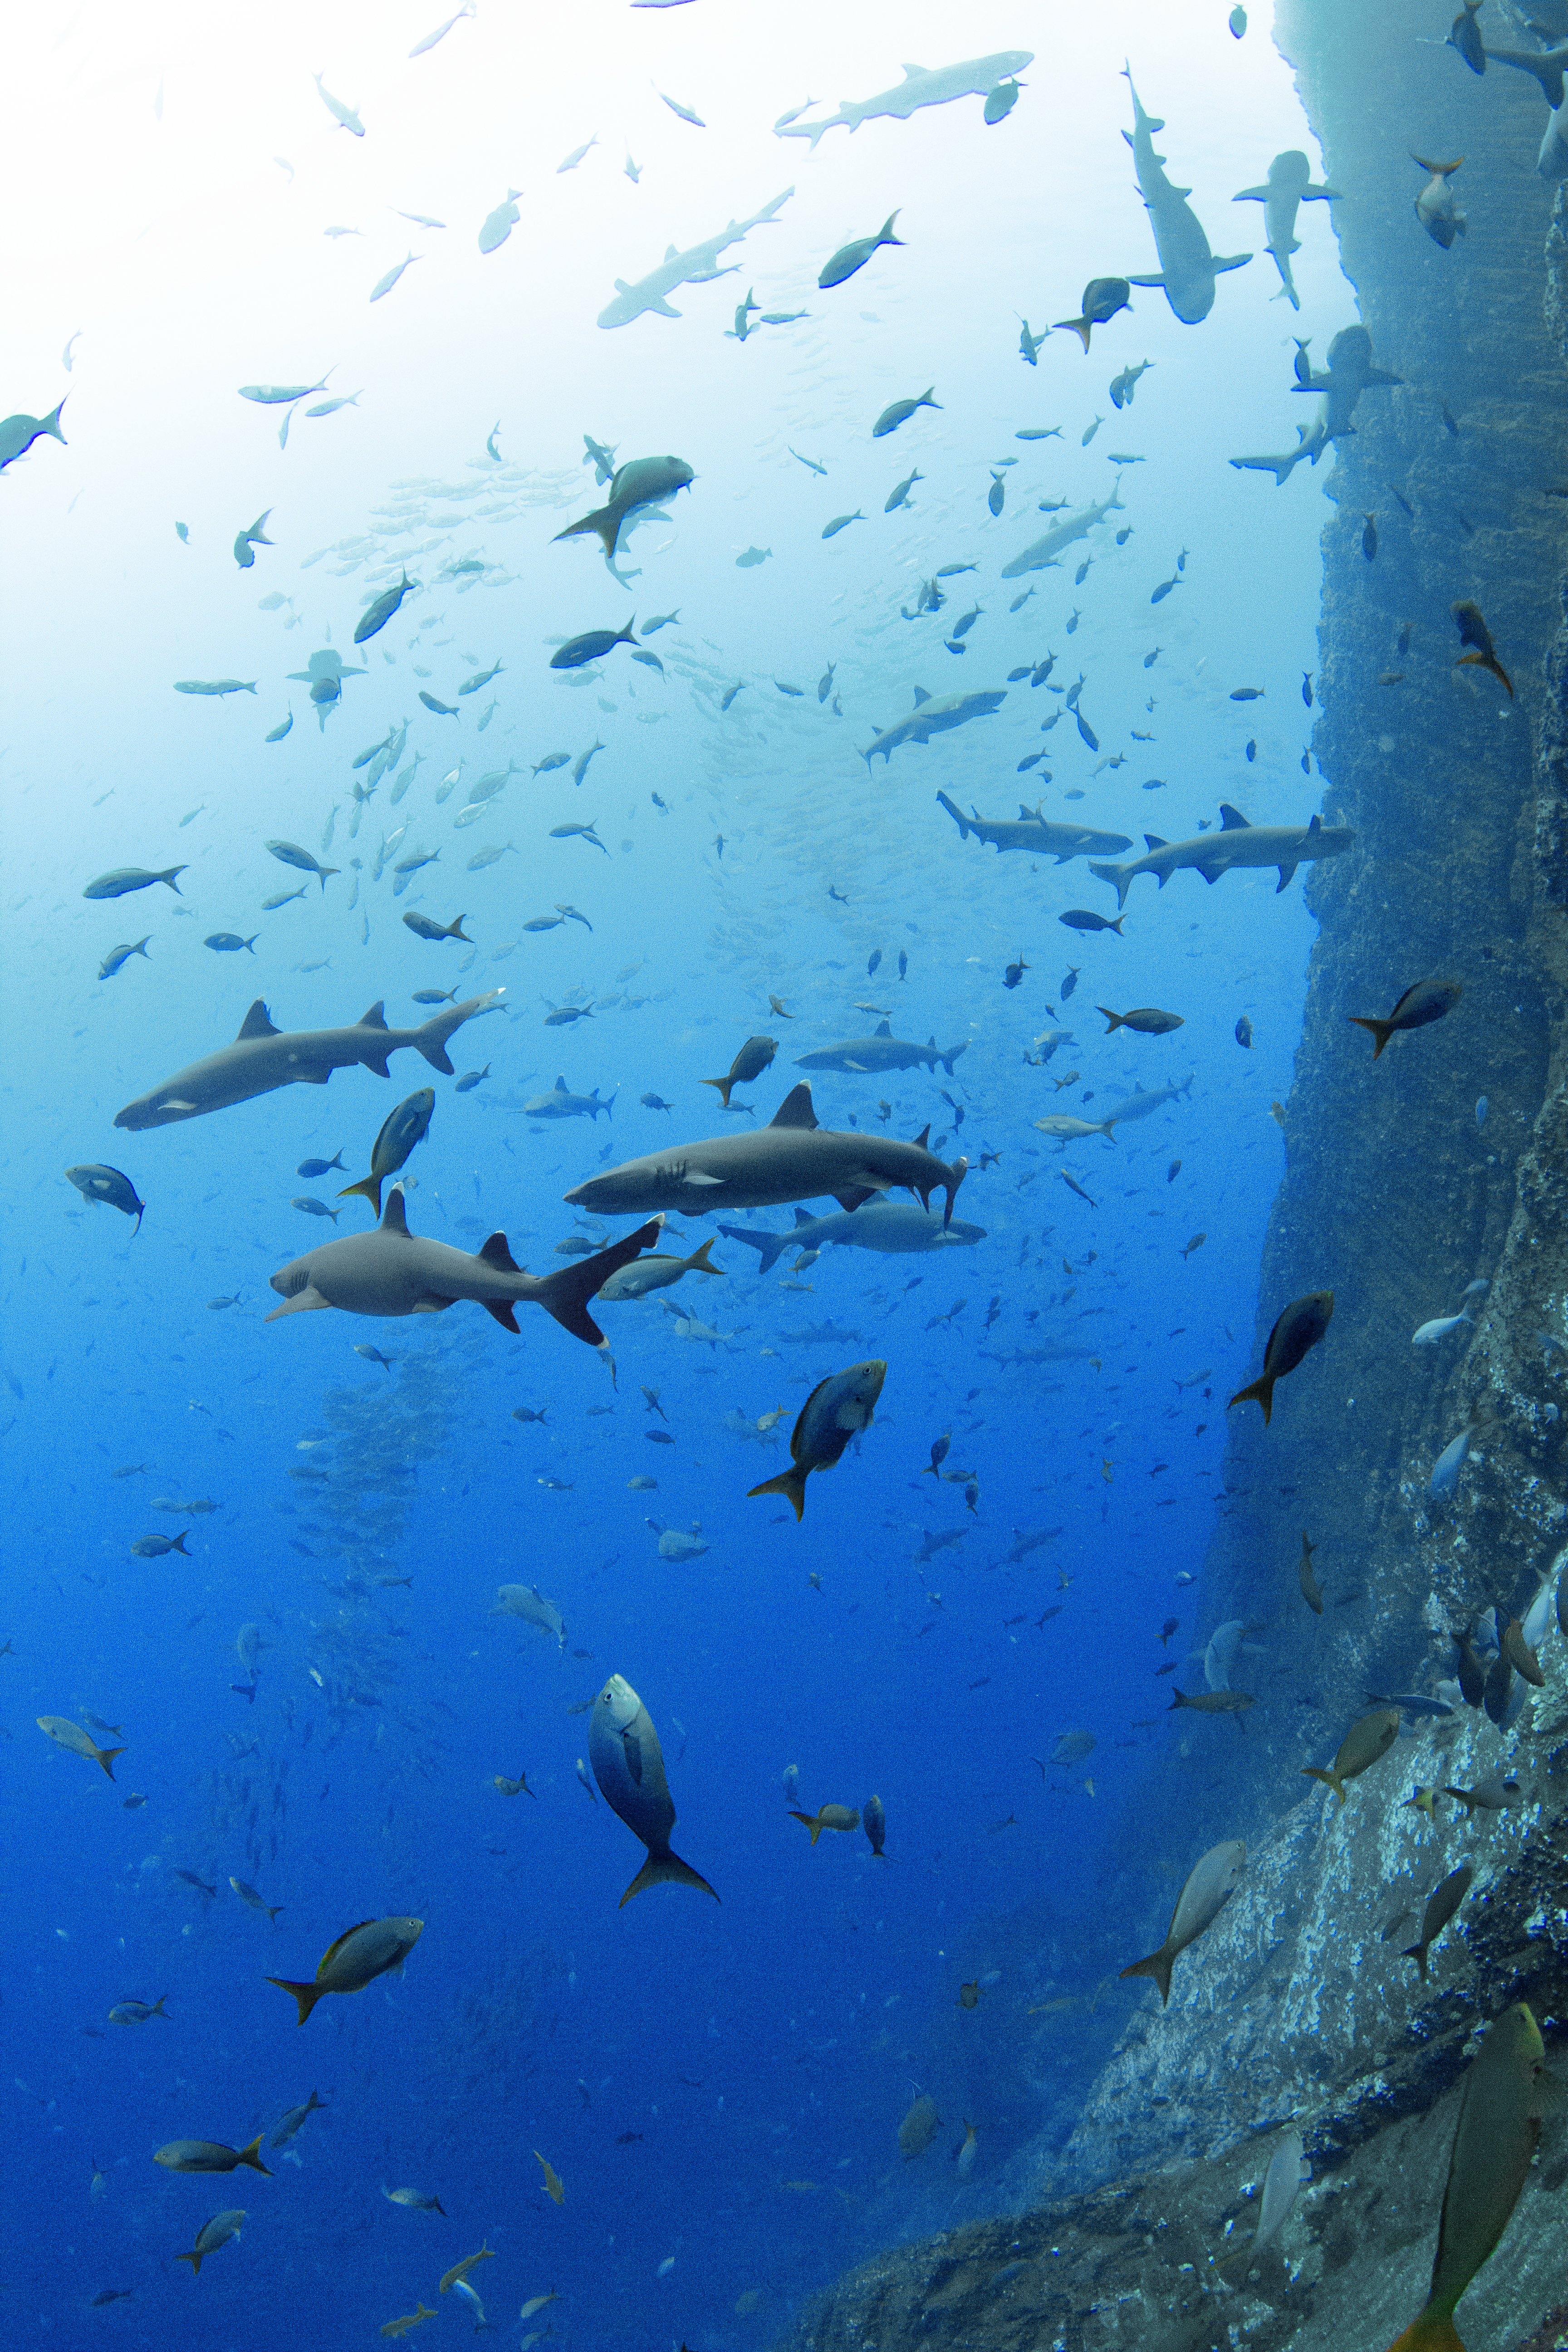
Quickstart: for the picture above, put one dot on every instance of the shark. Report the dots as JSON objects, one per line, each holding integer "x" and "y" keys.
{"x": 792, "y": 1159}
{"x": 881, "y": 1051}
{"x": 1236, "y": 844}
{"x": 922, "y": 86}
{"x": 262, "y": 1059}
{"x": 1350, "y": 373}
{"x": 390, "y": 1272}
{"x": 1032, "y": 831}
{"x": 1144, "y": 1101}
{"x": 695, "y": 266}
{"x": 887, "y": 1226}
{"x": 562, "y": 1103}
{"x": 1187, "y": 268}
{"x": 1289, "y": 186}
{"x": 931, "y": 717}
{"x": 1043, "y": 552}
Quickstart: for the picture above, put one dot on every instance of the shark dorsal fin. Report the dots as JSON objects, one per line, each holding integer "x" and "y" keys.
{"x": 258, "y": 1022}
{"x": 670, "y": 253}
{"x": 882, "y": 1030}
{"x": 1231, "y": 819}
{"x": 375, "y": 1018}
{"x": 909, "y": 70}
{"x": 921, "y": 695}
{"x": 795, "y": 1110}
{"x": 1316, "y": 825}
{"x": 394, "y": 1216}
{"x": 1154, "y": 842}
{"x": 496, "y": 1254}
{"x": 803, "y": 1217}
{"x": 562, "y": 1087}
{"x": 923, "y": 1138}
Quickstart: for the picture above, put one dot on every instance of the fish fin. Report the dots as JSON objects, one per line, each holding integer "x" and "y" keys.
{"x": 802, "y": 1217}
{"x": 1232, "y": 260}
{"x": 565, "y": 1295}
{"x": 795, "y": 1110}
{"x": 375, "y": 1018}
{"x": 369, "y": 1186}
{"x": 304, "y": 1302}
{"x": 853, "y": 1195}
{"x": 790, "y": 1483}
{"x": 700, "y": 1261}
{"x": 1328, "y": 1779}
{"x": 883, "y": 1029}
{"x": 1156, "y": 278}
{"x": 1285, "y": 873}
{"x": 1432, "y": 2331}
{"x": 307, "y": 1995}
{"x": 724, "y": 1086}
{"x": 394, "y": 1216}
{"x": 1158, "y": 1965}
{"x": 1315, "y": 827}
{"x": 1382, "y": 1030}
{"x": 923, "y": 1138}
{"x": 501, "y": 1309}
{"x": 252, "y": 2155}
{"x": 1252, "y": 195}
{"x": 1211, "y": 874}
{"x": 496, "y": 1254}
{"x": 106, "y": 1756}
{"x": 194, "y": 2260}
{"x": 1416, "y": 1952}
{"x": 921, "y": 695}
{"x": 667, "y": 1869}
{"x": 1231, "y": 819}
{"x": 1155, "y": 841}
{"x": 258, "y": 1022}
{"x": 1258, "y": 1392}
{"x": 1113, "y": 1019}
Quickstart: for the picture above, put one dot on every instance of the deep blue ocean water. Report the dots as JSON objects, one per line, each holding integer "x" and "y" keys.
{"x": 719, "y": 2086}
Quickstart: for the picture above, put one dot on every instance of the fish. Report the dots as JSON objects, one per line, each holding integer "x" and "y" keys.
{"x": 358, "y": 1956}
{"x": 1474, "y": 633}
{"x": 656, "y": 1272}
{"x": 832, "y": 529}
{"x": 641, "y": 483}
{"x": 410, "y": 2320}
{"x": 1237, "y": 845}
{"x": 1033, "y": 832}
{"x": 591, "y": 645}
{"x": 217, "y": 2231}
{"x": 1213, "y": 1702}
{"x": 1367, "y": 1741}
{"x": 1209, "y": 1885}
{"x": 790, "y": 1159}
{"x": 1102, "y": 298}
{"x": 423, "y": 929}
{"x": 391, "y": 1271}
{"x": 843, "y": 1818}
{"x": 1079, "y": 919}
{"x": 697, "y": 264}
{"x": 554, "y": 2186}
{"x": 459, "y": 2271}
{"x": 1435, "y": 209}
{"x": 919, "y": 2128}
{"x": 248, "y": 541}
{"x": 1299, "y": 1329}
{"x": 1290, "y": 184}
{"x": 837, "y": 1409}
{"x": 1428, "y": 1334}
{"x": 922, "y": 86}
{"x": 70, "y": 1735}
{"x": 18, "y": 433}
{"x": 157, "y": 1547}
{"x": 1350, "y": 373}
{"x": 1441, "y": 1905}
{"x": 899, "y": 412}
{"x": 1147, "y": 1020}
{"x": 1123, "y": 387}
{"x": 407, "y": 1126}
{"x": 263, "y": 1058}
{"x": 1145, "y": 1101}
{"x": 753, "y": 1059}
{"x": 375, "y": 616}
{"x": 881, "y": 1052}
{"x": 344, "y": 115}
{"x": 561, "y": 1103}
{"x": 931, "y": 717}
{"x": 1427, "y": 1001}
{"x": 124, "y": 879}
{"x": 854, "y": 257}
{"x": 1507, "y": 2094}
{"x": 416, "y": 2199}
{"x": 1450, "y": 1462}
{"x": 882, "y": 1225}
{"x": 1187, "y": 267}
{"x": 280, "y": 396}
{"x": 230, "y": 942}
{"x": 96, "y": 1181}
{"x": 629, "y": 1766}
{"x": 1311, "y": 1590}
{"x": 470, "y": 1079}
{"x": 1042, "y": 553}
{"x": 209, "y": 2156}
{"x": 118, "y": 957}
{"x": 137, "y": 2012}
{"x": 289, "y": 853}
{"x": 289, "y": 2124}
{"x": 527, "y": 1602}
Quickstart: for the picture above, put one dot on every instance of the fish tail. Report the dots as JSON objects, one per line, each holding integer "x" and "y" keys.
{"x": 1112, "y": 874}
{"x": 1330, "y": 1780}
{"x": 667, "y": 1869}
{"x": 887, "y": 238}
{"x": 1114, "y": 1020}
{"x": 1081, "y": 327}
{"x": 792, "y": 1483}
{"x": 178, "y": 1545}
{"x": 1158, "y": 1965}
{"x": 603, "y": 521}
{"x": 807, "y": 1821}
{"x": 106, "y": 1757}
{"x": 325, "y": 872}
{"x": 194, "y": 2260}
{"x": 565, "y": 1295}
{"x": 1432, "y": 2331}
{"x": 1416, "y": 1952}
{"x": 724, "y": 1086}
{"x": 371, "y": 1188}
{"x": 700, "y": 1261}
{"x": 51, "y": 422}
{"x": 1382, "y": 1030}
{"x": 307, "y": 1995}
{"x": 252, "y": 2155}
{"x": 1260, "y": 1391}
{"x": 959, "y": 1171}
{"x": 1489, "y": 662}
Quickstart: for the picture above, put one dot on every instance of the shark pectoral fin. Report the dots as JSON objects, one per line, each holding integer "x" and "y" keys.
{"x": 695, "y": 1176}
{"x": 1156, "y": 278}
{"x": 431, "y": 1305}
{"x": 501, "y": 1309}
{"x": 1252, "y": 195}
{"x": 859, "y": 1067}
{"x": 1285, "y": 873}
{"x": 1233, "y": 260}
{"x": 304, "y": 1302}
{"x": 666, "y": 310}
{"x": 319, "y": 1077}
{"x": 1211, "y": 873}
{"x": 853, "y": 1195}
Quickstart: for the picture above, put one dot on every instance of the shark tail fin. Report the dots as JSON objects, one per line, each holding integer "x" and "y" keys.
{"x": 1158, "y": 1965}
{"x": 951, "y": 1054}
{"x": 667, "y": 1869}
{"x": 791, "y": 1481}
{"x": 962, "y": 823}
{"x": 431, "y": 1036}
{"x": 307, "y": 1995}
{"x": 370, "y": 1187}
{"x": 1260, "y": 1391}
{"x": 1112, "y": 873}
{"x": 565, "y": 1295}
{"x": 1382, "y": 1030}
{"x": 769, "y": 1247}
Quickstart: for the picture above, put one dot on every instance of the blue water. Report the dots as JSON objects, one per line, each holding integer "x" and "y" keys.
{"x": 762, "y": 2050}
